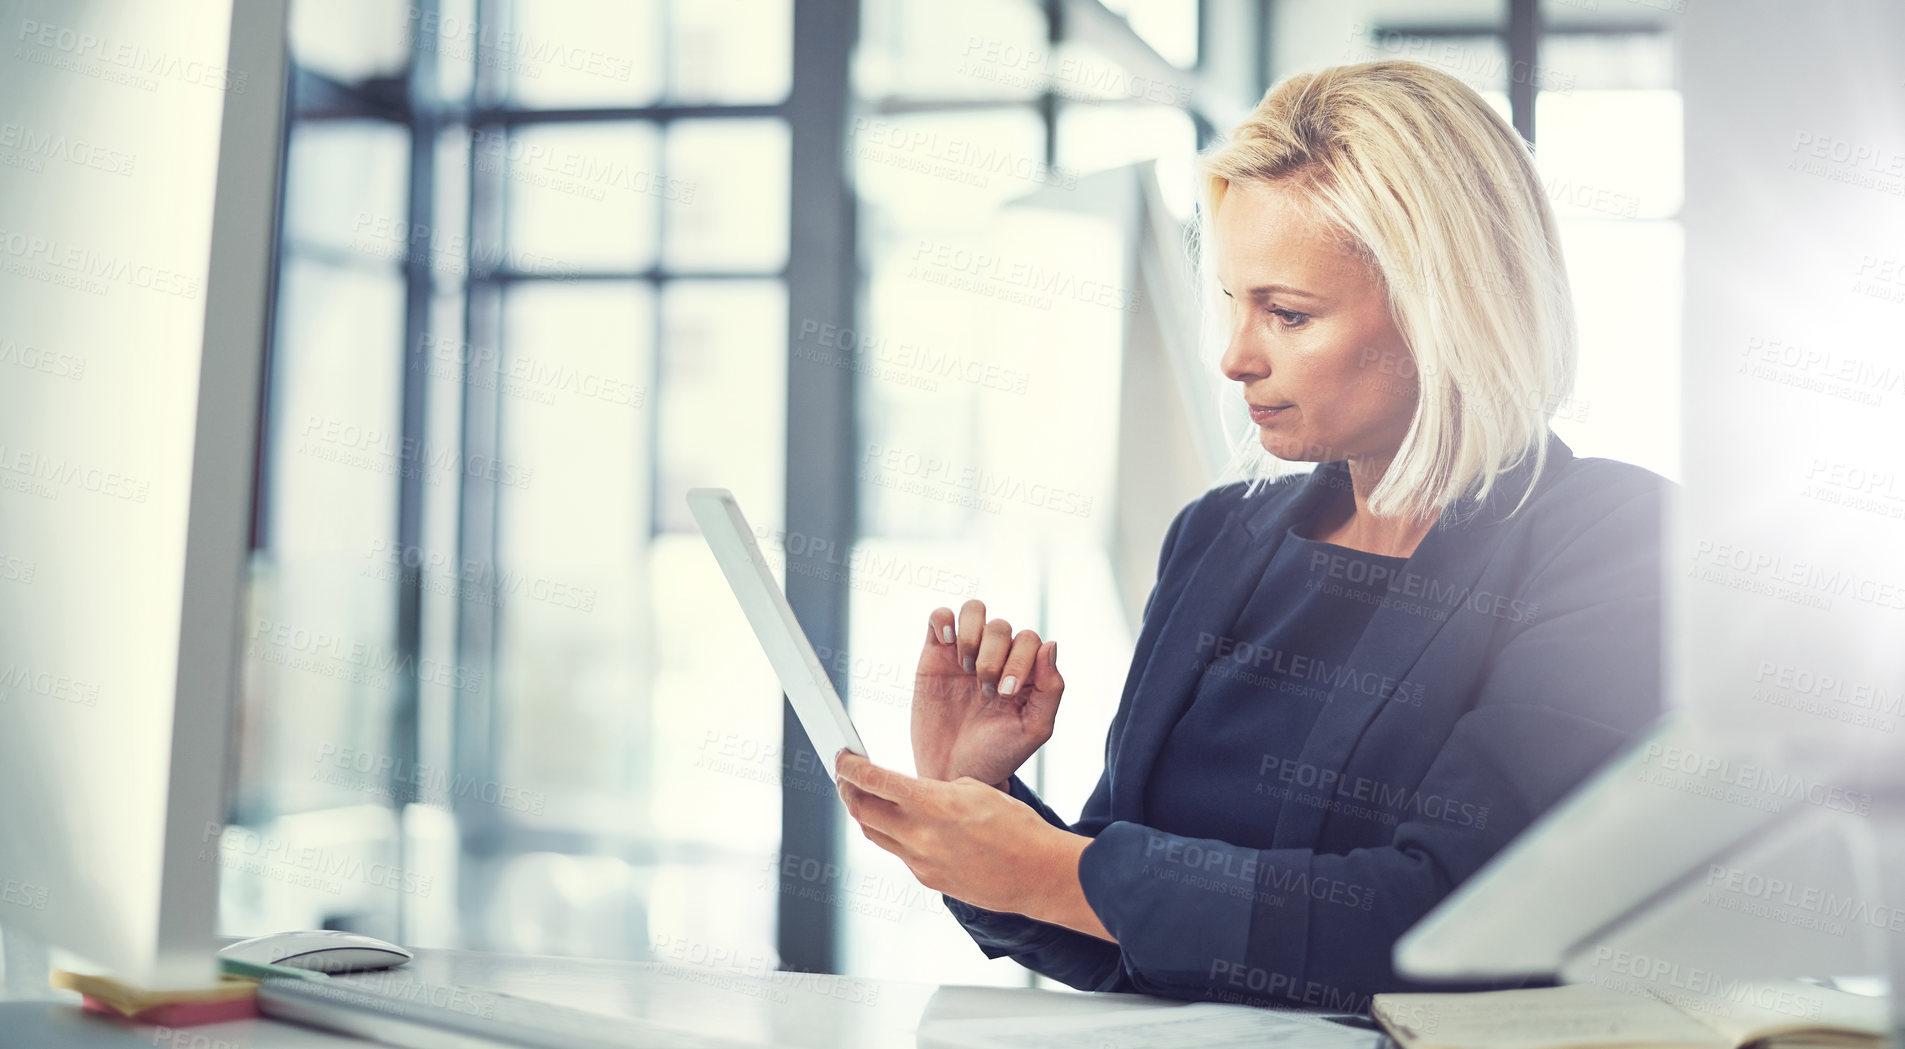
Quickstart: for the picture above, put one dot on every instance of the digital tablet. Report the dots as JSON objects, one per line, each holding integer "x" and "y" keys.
{"x": 802, "y": 677}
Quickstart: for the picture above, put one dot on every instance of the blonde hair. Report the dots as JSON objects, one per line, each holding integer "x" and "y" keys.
{"x": 1440, "y": 197}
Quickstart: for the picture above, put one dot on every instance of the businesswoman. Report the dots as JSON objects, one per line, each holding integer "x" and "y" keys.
{"x": 1352, "y": 686}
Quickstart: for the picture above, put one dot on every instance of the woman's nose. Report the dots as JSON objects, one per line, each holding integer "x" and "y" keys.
{"x": 1243, "y": 360}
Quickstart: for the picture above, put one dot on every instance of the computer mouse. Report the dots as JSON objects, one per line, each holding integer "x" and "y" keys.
{"x": 324, "y": 950}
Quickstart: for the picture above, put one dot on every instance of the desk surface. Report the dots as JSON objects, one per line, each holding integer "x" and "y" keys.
{"x": 799, "y": 1009}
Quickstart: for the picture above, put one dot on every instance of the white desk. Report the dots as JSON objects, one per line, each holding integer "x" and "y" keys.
{"x": 824, "y": 1012}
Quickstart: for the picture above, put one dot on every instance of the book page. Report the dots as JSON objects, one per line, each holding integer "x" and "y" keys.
{"x": 1540, "y": 1018}
{"x": 1750, "y": 1010}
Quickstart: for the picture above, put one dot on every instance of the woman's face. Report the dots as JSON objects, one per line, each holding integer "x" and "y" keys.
{"x": 1326, "y": 372}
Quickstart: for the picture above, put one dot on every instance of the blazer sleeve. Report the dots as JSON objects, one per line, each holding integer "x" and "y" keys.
{"x": 1202, "y": 918}
{"x": 1066, "y": 955}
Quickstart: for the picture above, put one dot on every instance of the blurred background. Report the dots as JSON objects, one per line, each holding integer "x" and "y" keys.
{"x": 910, "y": 278}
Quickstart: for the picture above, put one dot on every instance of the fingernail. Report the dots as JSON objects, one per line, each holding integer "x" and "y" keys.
{"x": 1007, "y": 684}
{"x": 946, "y": 634}
{"x": 969, "y": 661}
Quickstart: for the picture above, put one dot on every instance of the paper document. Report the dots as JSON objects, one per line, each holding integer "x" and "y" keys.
{"x": 1203, "y": 1025}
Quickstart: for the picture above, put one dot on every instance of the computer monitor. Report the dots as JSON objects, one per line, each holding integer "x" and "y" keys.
{"x": 141, "y": 144}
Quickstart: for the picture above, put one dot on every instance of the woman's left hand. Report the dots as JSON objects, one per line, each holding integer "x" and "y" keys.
{"x": 963, "y": 837}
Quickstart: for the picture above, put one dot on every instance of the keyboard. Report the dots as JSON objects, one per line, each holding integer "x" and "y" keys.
{"x": 418, "y": 1014}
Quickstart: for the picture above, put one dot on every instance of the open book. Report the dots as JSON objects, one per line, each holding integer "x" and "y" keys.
{"x": 1779, "y": 1015}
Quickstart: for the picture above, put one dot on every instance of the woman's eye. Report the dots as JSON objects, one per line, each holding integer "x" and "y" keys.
{"x": 1290, "y": 318}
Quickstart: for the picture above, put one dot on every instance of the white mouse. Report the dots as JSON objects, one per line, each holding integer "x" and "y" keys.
{"x": 325, "y": 951}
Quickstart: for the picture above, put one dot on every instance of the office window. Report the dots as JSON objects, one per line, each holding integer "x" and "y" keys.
{"x": 1610, "y": 154}
{"x": 492, "y": 384}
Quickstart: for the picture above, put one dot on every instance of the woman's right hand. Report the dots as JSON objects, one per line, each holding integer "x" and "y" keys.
{"x": 984, "y": 699}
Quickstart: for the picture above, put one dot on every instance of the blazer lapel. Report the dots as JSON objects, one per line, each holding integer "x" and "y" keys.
{"x": 1220, "y": 585}
{"x": 1446, "y": 566}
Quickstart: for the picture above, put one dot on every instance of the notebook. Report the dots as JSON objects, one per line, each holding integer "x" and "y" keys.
{"x": 1772, "y": 1014}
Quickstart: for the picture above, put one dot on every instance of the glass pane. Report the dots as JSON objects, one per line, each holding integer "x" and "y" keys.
{"x": 723, "y": 407}
{"x": 322, "y": 674}
{"x": 1573, "y": 13}
{"x": 336, "y": 436}
{"x": 456, "y": 56}
{"x": 730, "y": 50}
{"x": 345, "y": 188}
{"x": 337, "y": 454}
{"x": 1093, "y": 138}
{"x": 1627, "y": 293}
{"x": 573, "y": 480}
{"x": 1625, "y": 271}
{"x": 575, "y": 53}
{"x": 971, "y": 49}
{"x": 717, "y": 716}
{"x": 1611, "y": 61}
{"x": 715, "y": 747}
{"x": 958, "y": 163}
{"x": 578, "y": 196}
{"x": 731, "y": 209}
{"x": 1611, "y": 154}
{"x": 962, "y": 330}
{"x": 1169, "y": 26}
{"x": 325, "y": 868}
{"x": 707, "y": 907}
{"x": 1081, "y": 72}
{"x": 353, "y": 40}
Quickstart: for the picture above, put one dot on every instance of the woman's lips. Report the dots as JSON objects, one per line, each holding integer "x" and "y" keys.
{"x": 1260, "y": 415}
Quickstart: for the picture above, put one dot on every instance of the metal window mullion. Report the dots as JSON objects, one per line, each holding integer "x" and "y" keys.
{"x": 1048, "y": 102}
{"x": 510, "y": 116}
{"x": 473, "y": 722}
{"x": 406, "y": 738}
{"x": 503, "y": 275}
{"x": 1523, "y": 38}
{"x": 1260, "y": 42}
{"x": 822, "y": 427}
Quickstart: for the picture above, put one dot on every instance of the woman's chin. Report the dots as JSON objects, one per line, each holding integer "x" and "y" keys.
{"x": 1291, "y": 449}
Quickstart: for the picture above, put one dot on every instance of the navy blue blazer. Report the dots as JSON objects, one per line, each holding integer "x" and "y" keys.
{"x": 1511, "y": 657}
